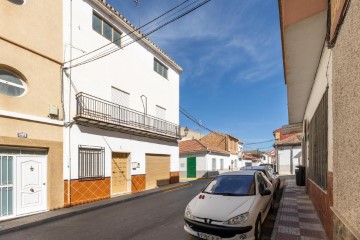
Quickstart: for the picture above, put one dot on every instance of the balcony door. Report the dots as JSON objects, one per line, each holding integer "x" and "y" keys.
{"x": 122, "y": 98}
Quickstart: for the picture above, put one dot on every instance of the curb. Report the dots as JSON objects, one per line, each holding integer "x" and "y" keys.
{"x": 276, "y": 224}
{"x": 85, "y": 210}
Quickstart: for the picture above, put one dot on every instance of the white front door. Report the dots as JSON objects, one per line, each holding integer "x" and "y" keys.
{"x": 31, "y": 183}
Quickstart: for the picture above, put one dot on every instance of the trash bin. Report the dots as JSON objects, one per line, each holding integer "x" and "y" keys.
{"x": 300, "y": 175}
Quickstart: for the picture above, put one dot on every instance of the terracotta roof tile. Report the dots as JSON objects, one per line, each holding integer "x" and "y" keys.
{"x": 294, "y": 139}
{"x": 191, "y": 146}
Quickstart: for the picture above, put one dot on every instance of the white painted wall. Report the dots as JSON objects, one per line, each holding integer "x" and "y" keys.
{"x": 129, "y": 69}
{"x": 286, "y": 155}
{"x": 322, "y": 80}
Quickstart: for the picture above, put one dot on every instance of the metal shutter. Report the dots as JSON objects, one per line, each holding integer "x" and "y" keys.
{"x": 120, "y": 97}
{"x": 157, "y": 170}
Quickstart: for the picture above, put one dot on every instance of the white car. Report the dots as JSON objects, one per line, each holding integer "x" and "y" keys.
{"x": 232, "y": 206}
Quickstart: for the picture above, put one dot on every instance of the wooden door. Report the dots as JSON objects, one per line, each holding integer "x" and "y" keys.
{"x": 119, "y": 172}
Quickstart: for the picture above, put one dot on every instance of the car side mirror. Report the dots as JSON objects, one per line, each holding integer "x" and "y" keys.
{"x": 265, "y": 192}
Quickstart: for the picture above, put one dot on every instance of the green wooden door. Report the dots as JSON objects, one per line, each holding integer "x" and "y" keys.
{"x": 191, "y": 167}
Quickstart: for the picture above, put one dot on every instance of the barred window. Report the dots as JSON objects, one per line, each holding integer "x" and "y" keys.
{"x": 91, "y": 162}
{"x": 318, "y": 147}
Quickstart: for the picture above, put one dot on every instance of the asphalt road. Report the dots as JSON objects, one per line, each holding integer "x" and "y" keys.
{"x": 154, "y": 217}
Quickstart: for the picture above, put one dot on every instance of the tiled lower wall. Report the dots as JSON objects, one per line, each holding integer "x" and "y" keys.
{"x": 174, "y": 177}
{"x": 83, "y": 191}
{"x": 322, "y": 202}
{"x": 138, "y": 183}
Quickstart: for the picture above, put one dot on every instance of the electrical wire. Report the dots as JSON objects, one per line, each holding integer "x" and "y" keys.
{"x": 135, "y": 30}
{"x": 193, "y": 119}
{"x": 143, "y": 36}
{"x": 253, "y": 143}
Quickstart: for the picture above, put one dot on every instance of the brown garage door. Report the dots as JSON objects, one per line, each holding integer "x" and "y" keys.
{"x": 157, "y": 170}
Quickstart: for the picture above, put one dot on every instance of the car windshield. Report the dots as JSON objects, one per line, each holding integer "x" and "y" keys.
{"x": 232, "y": 185}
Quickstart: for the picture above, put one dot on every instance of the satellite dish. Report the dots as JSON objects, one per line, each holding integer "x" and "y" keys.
{"x": 18, "y": 2}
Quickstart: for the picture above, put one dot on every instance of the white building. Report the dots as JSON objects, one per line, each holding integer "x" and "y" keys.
{"x": 122, "y": 110}
{"x": 288, "y": 154}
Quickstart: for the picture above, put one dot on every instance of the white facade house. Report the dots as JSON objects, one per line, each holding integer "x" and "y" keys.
{"x": 199, "y": 159}
{"x": 122, "y": 110}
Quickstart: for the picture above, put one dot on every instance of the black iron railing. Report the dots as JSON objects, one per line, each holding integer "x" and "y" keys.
{"x": 97, "y": 109}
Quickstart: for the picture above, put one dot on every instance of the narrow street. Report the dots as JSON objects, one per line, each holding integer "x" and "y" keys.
{"x": 159, "y": 216}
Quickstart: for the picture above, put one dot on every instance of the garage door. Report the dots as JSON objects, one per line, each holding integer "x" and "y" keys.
{"x": 157, "y": 170}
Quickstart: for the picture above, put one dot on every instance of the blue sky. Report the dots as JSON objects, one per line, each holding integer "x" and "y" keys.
{"x": 230, "y": 51}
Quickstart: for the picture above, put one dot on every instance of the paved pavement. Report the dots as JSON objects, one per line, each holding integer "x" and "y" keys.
{"x": 41, "y": 218}
{"x": 296, "y": 218}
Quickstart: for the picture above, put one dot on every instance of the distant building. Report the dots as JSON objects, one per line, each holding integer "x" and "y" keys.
{"x": 288, "y": 150}
{"x": 210, "y": 155}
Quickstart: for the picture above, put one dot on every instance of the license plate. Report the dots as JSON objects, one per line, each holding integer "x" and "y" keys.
{"x": 208, "y": 236}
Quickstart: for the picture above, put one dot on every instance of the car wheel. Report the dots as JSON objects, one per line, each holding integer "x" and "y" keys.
{"x": 258, "y": 229}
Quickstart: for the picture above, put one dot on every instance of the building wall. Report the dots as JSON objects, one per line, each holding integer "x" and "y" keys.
{"x": 36, "y": 25}
{"x": 55, "y": 186}
{"x": 201, "y": 164}
{"x": 322, "y": 199}
{"x": 346, "y": 116}
{"x": 31, "y": 47}
{"x": 130, "y": 70}
{"x": 286, "y": 155}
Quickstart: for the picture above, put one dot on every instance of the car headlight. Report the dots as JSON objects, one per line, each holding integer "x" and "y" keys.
{"x": 188, "y": 213}
{"x": 238, "y": 219}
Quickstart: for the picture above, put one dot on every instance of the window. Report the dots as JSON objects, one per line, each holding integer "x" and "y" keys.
{"x": 91, "y": 162}
{"x": 105, "y": 29}
{"x": 11, "y": 84}
{"x": 318, "y": 149}
{"x": 213, "y": 164}
{"x": 6, "y": 185}
{"x": 120, "y": 97}
{"x": 160, "y": 112}
{"x": 231, "y": 185}
{"x": 160, "y": 68}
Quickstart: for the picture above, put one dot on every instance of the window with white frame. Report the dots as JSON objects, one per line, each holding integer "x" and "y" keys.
{"x": 11, "y": 84}
{"x": 6, "y": 185}
{"x": 160, "y": 112}
{"x": 91, "y": 162}
{"x": 120, "y": 97}
{"x": 160, "y": 68}
{"x": 105, "y": 29}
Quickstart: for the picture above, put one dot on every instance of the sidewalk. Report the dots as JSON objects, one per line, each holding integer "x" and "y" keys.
{"x": 45, "y": 217}
{"x": 296, "y": 217}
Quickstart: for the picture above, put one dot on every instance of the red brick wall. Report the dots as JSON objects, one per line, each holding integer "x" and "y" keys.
{"x": 322, "y": 201}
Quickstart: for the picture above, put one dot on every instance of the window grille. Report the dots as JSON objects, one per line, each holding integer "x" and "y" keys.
{"x": 318, "y": 145}
{"x": 91, "y": 162}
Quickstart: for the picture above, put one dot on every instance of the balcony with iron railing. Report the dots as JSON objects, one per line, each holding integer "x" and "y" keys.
{"x": 98, "y": 112}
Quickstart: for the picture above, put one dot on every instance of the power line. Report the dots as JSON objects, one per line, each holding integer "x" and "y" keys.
{"x": 143, "y": 36}
{"x": 135, "y": 30}
{"x": 253, "y": 143}
{"x": 193, "y": 119}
